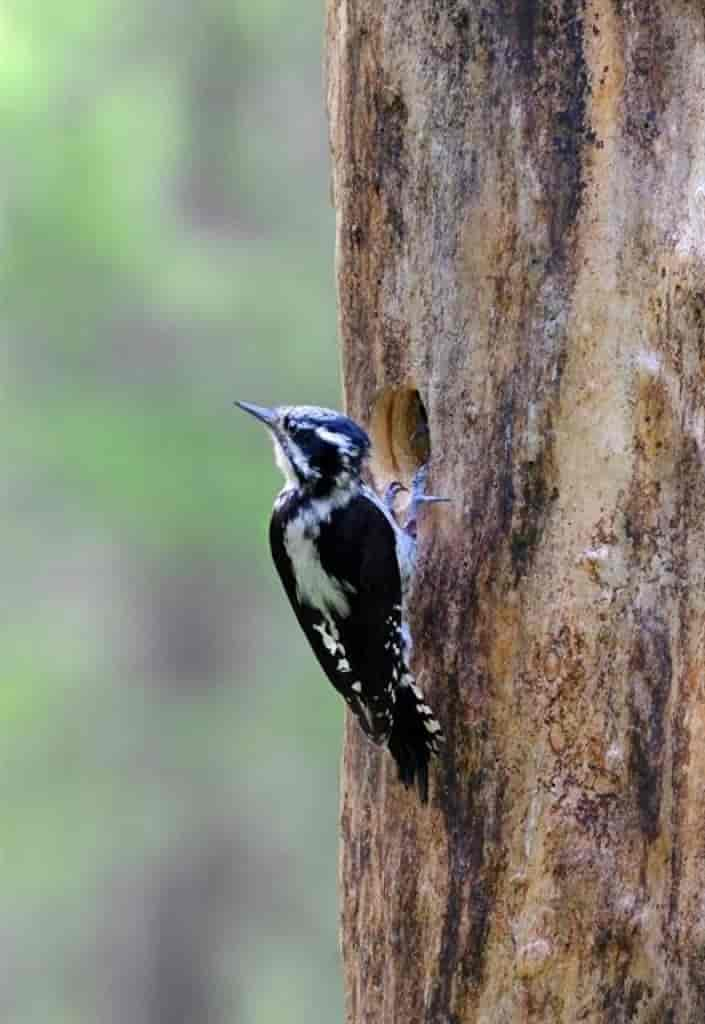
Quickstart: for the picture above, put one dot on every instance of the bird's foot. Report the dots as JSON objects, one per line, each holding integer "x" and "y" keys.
{"x": 419, "y": 498}
{"x": 390, "y": 494}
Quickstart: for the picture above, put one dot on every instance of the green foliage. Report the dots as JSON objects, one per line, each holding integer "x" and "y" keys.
{"x": 170, "y": 749}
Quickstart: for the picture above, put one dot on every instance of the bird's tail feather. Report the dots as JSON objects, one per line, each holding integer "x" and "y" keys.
{"x": 415, "y": 737}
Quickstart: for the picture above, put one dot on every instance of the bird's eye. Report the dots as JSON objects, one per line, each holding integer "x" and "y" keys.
{"x": 295, "y": 428}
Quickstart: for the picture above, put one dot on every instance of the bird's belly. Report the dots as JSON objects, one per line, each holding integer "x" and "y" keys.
{"x": 314, "y": 585}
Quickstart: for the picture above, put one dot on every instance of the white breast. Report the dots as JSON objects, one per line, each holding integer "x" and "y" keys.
{"x": 313, "y": 585}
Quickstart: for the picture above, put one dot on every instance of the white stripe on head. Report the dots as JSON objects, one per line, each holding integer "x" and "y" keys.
{"x": 283, "y": 462}
{"x": 340, "y": 441}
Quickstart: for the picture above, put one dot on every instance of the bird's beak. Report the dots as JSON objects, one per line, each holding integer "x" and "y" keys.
{"x": 260, "y": 412}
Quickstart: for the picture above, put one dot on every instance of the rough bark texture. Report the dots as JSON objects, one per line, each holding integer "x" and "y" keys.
{"x": 520, "y": 196}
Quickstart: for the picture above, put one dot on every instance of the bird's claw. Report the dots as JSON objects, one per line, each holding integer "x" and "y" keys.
{"x": 390, "y": 494}
{"x": 418, "y": 498}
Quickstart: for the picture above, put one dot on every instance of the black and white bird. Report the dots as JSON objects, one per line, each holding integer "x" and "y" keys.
{"x": 346, "y": 566}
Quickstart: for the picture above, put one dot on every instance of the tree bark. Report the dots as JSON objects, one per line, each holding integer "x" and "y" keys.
{"x": 520, "y": 197}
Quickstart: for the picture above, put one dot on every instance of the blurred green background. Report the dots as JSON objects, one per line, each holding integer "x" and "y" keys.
{"x": 169, "y": 749}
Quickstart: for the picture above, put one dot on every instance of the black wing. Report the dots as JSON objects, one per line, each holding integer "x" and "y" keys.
{"x": 361, "y": 652}
{"x": 364, "y": 652}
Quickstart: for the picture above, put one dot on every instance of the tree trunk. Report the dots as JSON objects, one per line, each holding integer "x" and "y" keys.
{"x": 520, "y": 196}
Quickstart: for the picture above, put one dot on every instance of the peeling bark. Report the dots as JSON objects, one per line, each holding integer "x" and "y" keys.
{"x": 520, "y": 197}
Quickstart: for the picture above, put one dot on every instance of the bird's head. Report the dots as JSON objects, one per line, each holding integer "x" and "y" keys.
{"x": 318, "y": 450}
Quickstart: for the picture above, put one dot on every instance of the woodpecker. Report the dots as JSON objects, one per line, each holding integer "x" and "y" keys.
{"x": 346, "y": 566}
